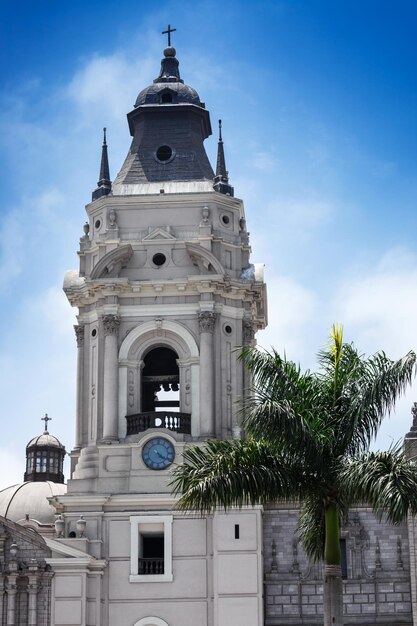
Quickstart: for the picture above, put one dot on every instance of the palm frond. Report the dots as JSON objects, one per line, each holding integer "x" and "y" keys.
{"x": 386, "y": 480}
{"x": 233, "y": 473}
{"x": 285, "y": 405}
{"x": 311, "y": 525}
{"x": 371, "y": 393}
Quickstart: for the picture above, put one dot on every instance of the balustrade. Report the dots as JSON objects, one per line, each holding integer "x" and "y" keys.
{"x": 148, "y": 567}
{"x": 171, "y": 420}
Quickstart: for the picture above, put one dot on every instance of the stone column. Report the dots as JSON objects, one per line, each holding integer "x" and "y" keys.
{"x": 111, "y": 378}
{"x": 33, "y": 593}
{"x": 207, "y": 320}
{"x": 11, "y": 587}
{"x": 79, "y": 334}
{"x": 2, "y": 595}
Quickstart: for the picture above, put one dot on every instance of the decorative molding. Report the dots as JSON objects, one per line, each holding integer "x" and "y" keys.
{"x": 79, "y": 334}
{"x": 112, "y": 219}
{"x": 412, "y": 434}
{"x": 159, "y": 234}
{"x": 151, "y": 621}
{"x": 111, "y": 324}
{"x": 207, "y": 321}
{"x": 248, "y": 331}
{"x": 205, "y": 213}
{"x": 400, "y": 563}
{"x": 205, "y": 260}
{"x": 378, "y": 562}
{"x": 112, "y": 262}
{"x": 148, "y": 327}
{"x": 295, "y": 567}
{"x": 274, "y": 562}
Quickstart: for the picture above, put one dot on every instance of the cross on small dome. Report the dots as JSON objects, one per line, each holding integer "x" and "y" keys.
{"x": 46, "y": 419}
{"x": 168, "y": 32}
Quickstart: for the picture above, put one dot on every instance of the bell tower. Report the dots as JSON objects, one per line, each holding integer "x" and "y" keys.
{"x": 165, "y": 289}
{"x": 165, "y": 293}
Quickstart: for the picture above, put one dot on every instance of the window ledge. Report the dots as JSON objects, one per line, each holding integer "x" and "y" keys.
{"x": 151, "y": 578}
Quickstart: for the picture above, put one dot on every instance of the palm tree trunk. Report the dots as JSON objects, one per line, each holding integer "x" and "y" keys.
{"x": 332, "y": 585}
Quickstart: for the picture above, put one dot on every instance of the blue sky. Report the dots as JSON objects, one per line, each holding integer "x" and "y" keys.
{"x": 318, "y": 102}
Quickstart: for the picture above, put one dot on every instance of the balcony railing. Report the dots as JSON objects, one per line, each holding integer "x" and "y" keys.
{"x": 148, "y": 567}
{"x": 177, "y": 422}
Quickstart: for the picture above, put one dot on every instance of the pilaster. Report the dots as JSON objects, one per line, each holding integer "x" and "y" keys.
{"x": 207, "y": 321}
{"x": 111, "y": 325}
{"x": 79, "y": 334}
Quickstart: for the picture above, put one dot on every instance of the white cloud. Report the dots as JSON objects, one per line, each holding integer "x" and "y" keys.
{"x": 26, "y": 228}
{"x": 293, "y": 311}
{"x": 54, "y": 311}
{"x": 379, "y": 306}
{"x": 106, "y": 86}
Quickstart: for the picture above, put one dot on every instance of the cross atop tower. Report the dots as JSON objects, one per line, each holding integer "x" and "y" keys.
{"x": 168, "y": 32}
{"x": 46, "y": 419}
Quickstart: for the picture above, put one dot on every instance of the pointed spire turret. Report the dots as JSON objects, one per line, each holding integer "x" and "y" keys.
{"x": 221, "y": 171}
{"x": 104, "y": 183}
{"x": 221, "y": 180}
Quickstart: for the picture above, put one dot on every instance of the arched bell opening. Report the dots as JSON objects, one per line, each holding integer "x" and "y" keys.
{"x": 136, "y": 353}
{"x": 160, "y": 380}
{"x": 160, "y": 402}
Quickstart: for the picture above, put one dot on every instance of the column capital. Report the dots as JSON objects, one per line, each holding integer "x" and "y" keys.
{"x": 111, "y": 324}
{"x": 79, "y": 334}
{"x": 207, "y": 320}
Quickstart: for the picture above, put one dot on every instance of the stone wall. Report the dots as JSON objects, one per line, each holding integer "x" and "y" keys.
{"x": 377, "y": 584}
{"x": 25, "y": 579}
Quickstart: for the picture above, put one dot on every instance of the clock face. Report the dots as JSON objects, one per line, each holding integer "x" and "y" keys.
{"x": 158, "y": 453}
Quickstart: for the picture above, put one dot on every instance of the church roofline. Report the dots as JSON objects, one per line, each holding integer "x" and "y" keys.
{"x": 127, "y": 193}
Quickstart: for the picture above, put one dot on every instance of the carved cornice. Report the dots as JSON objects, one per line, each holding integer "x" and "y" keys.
{"x": 79, "y": 334}
{"x": 111, "y": 324}
{"x": 207, "y": 320}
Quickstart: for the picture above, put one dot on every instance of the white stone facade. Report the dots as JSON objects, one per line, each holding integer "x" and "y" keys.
{"x": 166, "y": 294}
{"x": 165, "y": 281}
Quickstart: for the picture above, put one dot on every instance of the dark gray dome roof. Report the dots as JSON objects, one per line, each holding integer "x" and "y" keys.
{"x": 180, "y": 94}
{"x": 169, "y": 80}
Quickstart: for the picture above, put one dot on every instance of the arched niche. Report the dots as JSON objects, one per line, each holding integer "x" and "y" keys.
{"x": 151, "y": 621}
{"x": 144, "y": 338}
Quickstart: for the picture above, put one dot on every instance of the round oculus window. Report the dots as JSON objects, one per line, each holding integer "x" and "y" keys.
{"x": 225, "y": 219}
{"x": 228, "y": 329}
{"x": 97, "y": 224}
{"x": 159, "y": 259}
{"x": 164, "y": 153}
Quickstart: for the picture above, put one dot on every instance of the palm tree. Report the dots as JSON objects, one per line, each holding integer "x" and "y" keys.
{"x": 308, "y": 437}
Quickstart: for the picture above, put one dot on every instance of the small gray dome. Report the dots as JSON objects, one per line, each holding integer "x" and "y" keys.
{"x": 169, "y": 87}
{"x": 30, "y": 498}
{"x": 159, "y": 93}
{"x": 45, "y": 440}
